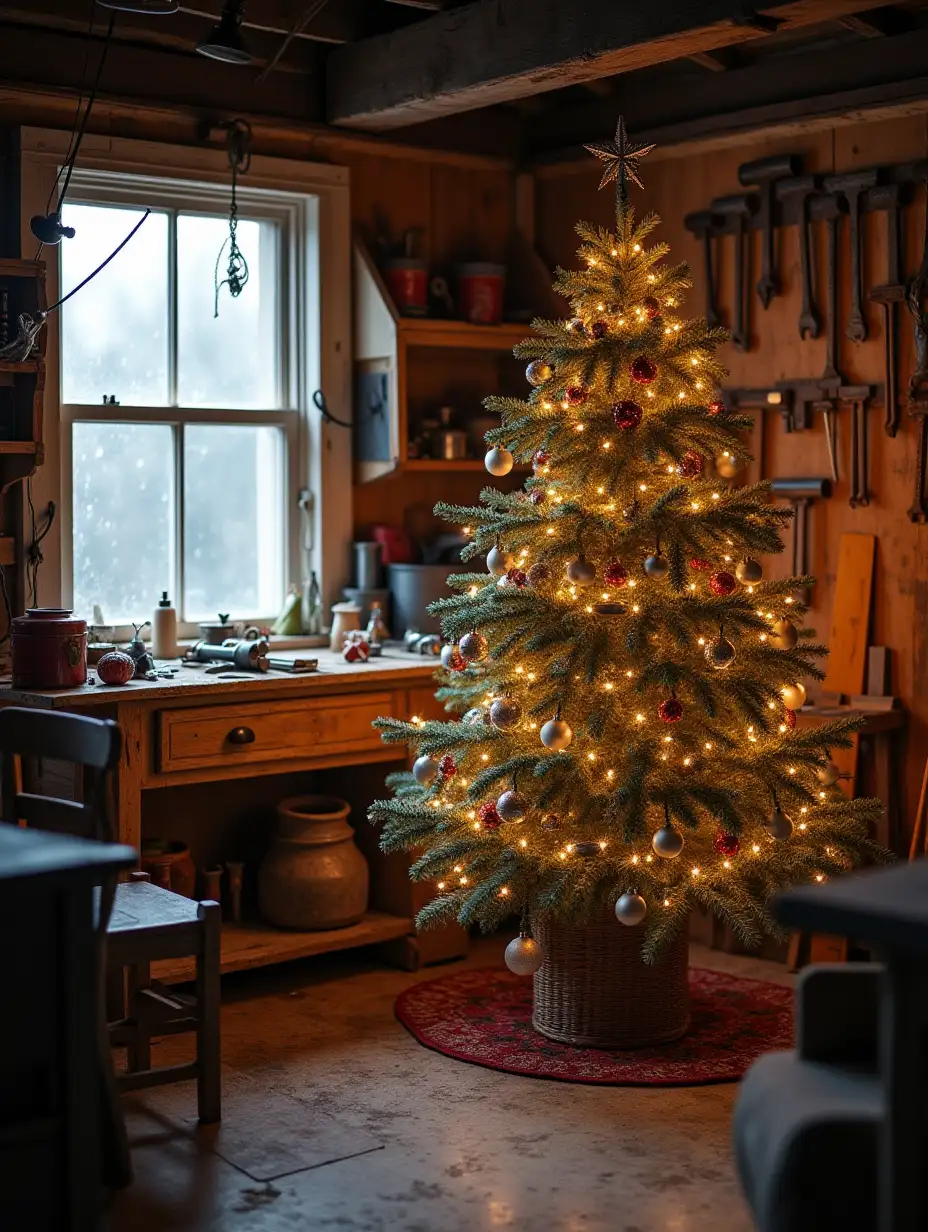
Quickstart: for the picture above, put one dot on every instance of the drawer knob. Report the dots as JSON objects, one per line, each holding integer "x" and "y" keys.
{"x": 241, "y": 735}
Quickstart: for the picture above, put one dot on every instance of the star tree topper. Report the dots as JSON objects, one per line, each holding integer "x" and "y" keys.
{"x": 621, "y": 157}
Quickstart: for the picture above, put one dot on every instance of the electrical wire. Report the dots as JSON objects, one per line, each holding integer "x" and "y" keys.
{"x": 8, "y": 607}
{"x": 34, "y": 555}
{"x": 322, "y": 406}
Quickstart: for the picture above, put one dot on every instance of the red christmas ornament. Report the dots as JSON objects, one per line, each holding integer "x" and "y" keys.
{"x": 789, "y": 718}
{"x": 670, "y": 711}
{"x": 489, "y": 818}
{"x": 715, "y": 407}
{"x": 615, "y": 574}
{"x": 447, "y": 767}
{"x": 116, "y": 667}
{"x": 538, "y": 496}
{"x": 722, "y": 582}
{"x": 627, "y": 414}
{"x": 575, "y": 395}
{"x": 726, "y": 844}
{"x": 692, "y": 464}
{"x": 651, "y": 307}
{"x": 643, "y": 370}
{"x": 541, "y": 458}
{"x": 516, "y": 577}
{"x": 456, "y": 662}
{"x": 538, "y": 574}
{"x": 599, "y": 329}
{"x": 700, "y": 565}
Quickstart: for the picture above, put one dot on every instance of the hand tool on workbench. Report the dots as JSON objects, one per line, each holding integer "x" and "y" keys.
{"x": 917, "y": 401}
{"x": 704, "y": 224}
{"x": 852, "y": 185}
{"x": 890, "y": 197}
{"x": 803, "y": 187}
{"x": 801, "y": 493}
{"x": 830, "y": 208}
{"x": 763, "y": 172}
{"x": 248, "y": 656}
{"x": 739, "y": 207}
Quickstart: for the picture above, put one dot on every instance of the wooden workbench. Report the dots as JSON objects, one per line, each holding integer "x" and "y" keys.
{"x": 201, "y": 728}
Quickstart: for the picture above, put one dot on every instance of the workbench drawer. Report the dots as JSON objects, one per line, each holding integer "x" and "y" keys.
{"x": 250, "y": 733}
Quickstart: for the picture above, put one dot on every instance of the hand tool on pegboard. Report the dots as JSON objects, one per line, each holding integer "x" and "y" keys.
{"x": 830, "y": 207}
{"x": 738, "y": 208}
{"x": 800, "y": 188}
{"x": 763, "y": 172}
{"x": 890, "y": 294}
{"x": 704, "y": 225}
{"x": 801, "y": 492}
{"x": 917, "y": 400}
{"x": 852, "y": 185}
{"x": 859, "y": 398}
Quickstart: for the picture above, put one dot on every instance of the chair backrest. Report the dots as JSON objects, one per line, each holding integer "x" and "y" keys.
{"x": 94, "y": 744}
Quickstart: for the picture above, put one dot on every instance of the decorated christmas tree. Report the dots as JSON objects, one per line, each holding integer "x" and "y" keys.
{"x": 625, "y": 678}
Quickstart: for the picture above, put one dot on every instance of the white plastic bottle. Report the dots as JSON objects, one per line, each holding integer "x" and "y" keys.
{"x": 164, "y": 629}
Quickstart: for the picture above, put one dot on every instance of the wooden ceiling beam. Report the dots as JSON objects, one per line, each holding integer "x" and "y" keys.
{"x": 496, "y": 51}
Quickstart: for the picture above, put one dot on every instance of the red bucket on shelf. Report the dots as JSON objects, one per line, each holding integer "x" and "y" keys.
{"x": 407, "y": 281}
{"x": 480, "y": 292}
{"x": 49, "y": 649}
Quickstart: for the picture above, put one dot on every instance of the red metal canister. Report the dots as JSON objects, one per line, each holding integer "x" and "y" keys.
{"x": 49, "y": 649}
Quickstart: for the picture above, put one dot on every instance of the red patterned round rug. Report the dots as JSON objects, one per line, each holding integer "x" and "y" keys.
{"x": 484, "y": 1016}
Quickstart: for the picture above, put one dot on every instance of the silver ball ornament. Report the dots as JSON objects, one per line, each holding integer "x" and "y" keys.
{"x": 523, "y": 955}
{"x": 667, "y": 842}
{"x": 538, "y": 372}
{"x": 473, "y": 647}
{"x": 556, "y": 734}
{"x": 778, "y": 825}
{"x": 656, "y": 567}
{"x": 505, "y": 713}
{"x": 581, "y": 572}
{"x": 475, "y": 715}
{"x": 498, "y": 461}
{"x": 512, "y": 805}
{"x": 720, "y": 653}
{"x": 749, "y": 571}
{"x": 630, "y": 909}
{"x": 783, "y": 634}
{"x": 425, "y": 770}
{"x": 499, "y": 562}
{"x": 449, "y": 653}
{"x": 828, "y": 774}
{"x": 794, "y": 696}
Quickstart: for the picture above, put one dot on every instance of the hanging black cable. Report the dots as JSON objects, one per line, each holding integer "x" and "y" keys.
{"x": 323, "y": 408}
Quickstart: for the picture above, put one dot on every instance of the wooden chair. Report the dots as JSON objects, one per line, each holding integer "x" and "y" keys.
{"x": 141, "y": 922}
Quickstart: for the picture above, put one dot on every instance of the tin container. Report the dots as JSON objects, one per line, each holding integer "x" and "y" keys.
{"x": 49, "y": 649}
{"x": 480, "y": 292}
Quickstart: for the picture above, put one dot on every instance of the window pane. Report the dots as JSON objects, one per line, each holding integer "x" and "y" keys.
{"x": 229, "y": 360}
{"x": 114, "y": 333}
{"x": 233, "y": 521}
{"x": 123, "y": 518}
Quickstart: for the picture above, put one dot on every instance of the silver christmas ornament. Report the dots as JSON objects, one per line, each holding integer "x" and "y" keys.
{"x": 828, "y": 774}
{"x": 475, "y": 715}
{"x": 581, "y": 572}
{"x": 523, "y": 955}
{"x": 505, "y": 713}
{"x": 498, "y": 461}
{"x": 667, "y": 842}
{"x": 720, "y": 652}
{"x": 749, "y": 571}
{"x": 538, "y": 372}
{"x": 449, "y": 653}
{"x": 499, "y": 562}
{"x": 778, "y": 825}
{"x": 783, "y": 634}
{"x": 630, "y": 909}
{"x": 512, "y": 805}
{"x": 425, "y": 770}
{"x": 556, "y": 734}
{"x": 473, "y": 647}
{"x": 656, "y": 566}
{"x": 794, "y": 696}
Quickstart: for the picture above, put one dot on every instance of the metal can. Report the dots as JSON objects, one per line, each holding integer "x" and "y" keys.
{"x": 49, "y": 649}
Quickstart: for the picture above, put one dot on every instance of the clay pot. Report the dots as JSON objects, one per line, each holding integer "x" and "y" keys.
{"x": 313, "y": 877}
{"x": 170, "y": 865}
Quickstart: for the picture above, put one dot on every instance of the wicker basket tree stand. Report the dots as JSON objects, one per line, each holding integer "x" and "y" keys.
{"x": 594, "y": 991}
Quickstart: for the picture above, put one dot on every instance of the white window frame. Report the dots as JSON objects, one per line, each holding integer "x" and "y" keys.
{"x": 312, "y": 200}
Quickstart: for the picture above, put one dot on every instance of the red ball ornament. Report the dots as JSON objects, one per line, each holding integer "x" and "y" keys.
{"x": 115, "y": 667}
{"x": 447, "y": 767}
{"x": 726, "y": 844}
{"x": 575, "y": 395}
{"x": 538, "y": 574}
{"x": 489, "y": 817}
{"x": 516, "y": 577}
{"x": 627, "y": 414}
{"x": 716, "y": 407}
{"x": 700, "y": 565}
{"x": 541, "y": 458}
{"x": 456, "y": 661}
{"x": 671, "y": 710}
{"x": 651, "y": 307}
{"x": 643, "y": 370}
{"x": 789, "y": 718}
{"x": 599, "y": 329}
{"x": 692, "y": 464}
{"x": 722, "y": 582}
{"x": 615, "y": 574}
{"x": 538, "y": 496}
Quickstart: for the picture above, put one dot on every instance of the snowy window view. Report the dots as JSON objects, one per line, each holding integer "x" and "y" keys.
{"x": 161, "y": 499}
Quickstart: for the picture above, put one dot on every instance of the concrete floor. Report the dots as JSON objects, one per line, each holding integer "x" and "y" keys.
{"x": 317, "y": 1069}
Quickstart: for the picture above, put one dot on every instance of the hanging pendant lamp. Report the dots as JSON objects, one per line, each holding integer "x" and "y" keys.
{"x": 158, "y": 7}
{"x": 225, "y": 41}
